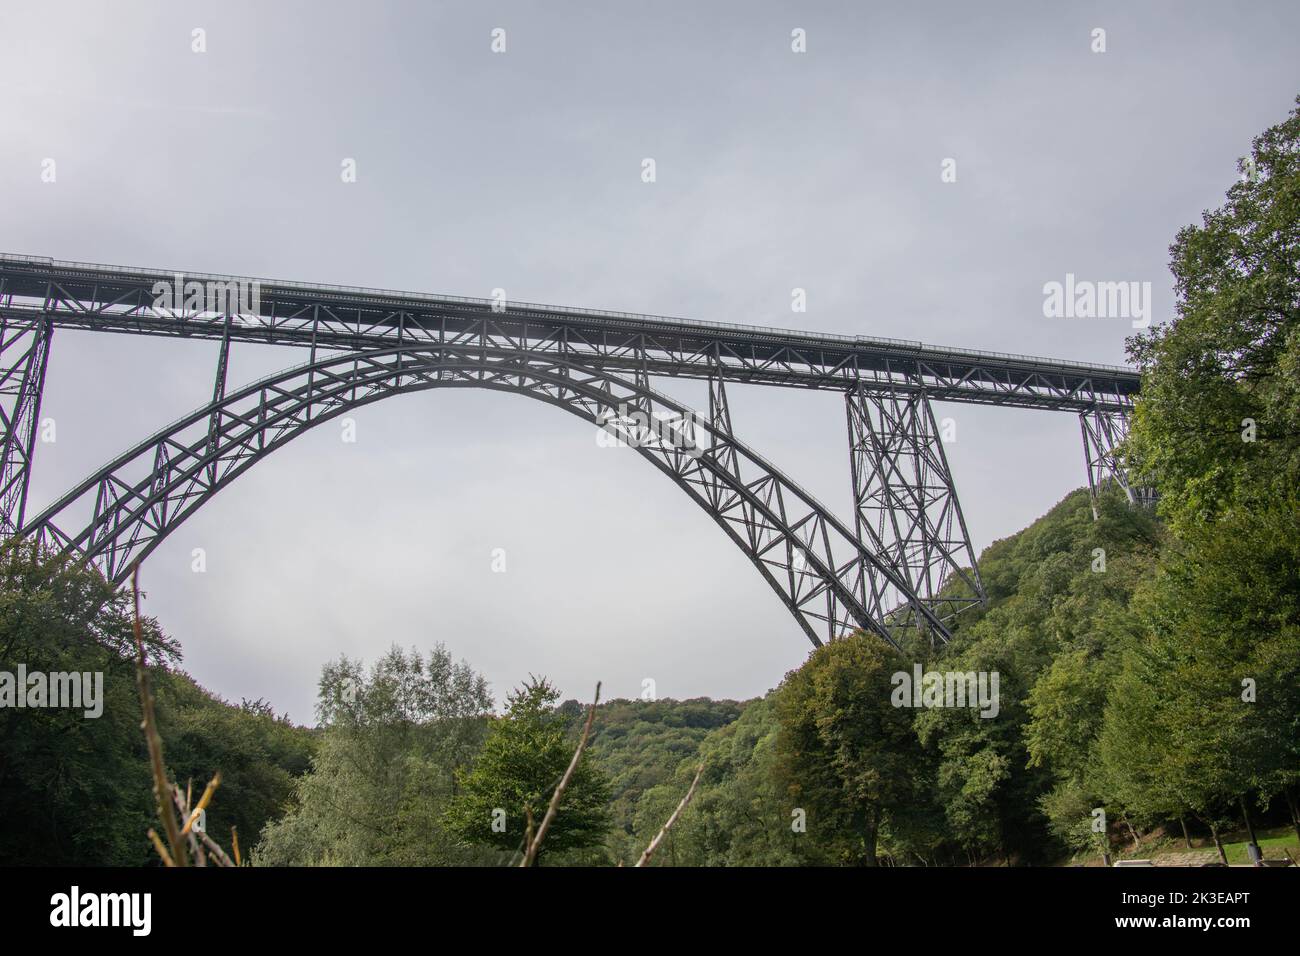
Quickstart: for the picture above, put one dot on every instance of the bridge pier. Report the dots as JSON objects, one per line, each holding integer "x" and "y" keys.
{"x": 1103, "y": 432}
{"x": 720, "y": 419}
{"x": 905, "y": 502}
{"x": 24, "y": 355}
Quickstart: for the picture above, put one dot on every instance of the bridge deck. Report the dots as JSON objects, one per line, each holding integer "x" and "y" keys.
{"x": 123, "y": 299}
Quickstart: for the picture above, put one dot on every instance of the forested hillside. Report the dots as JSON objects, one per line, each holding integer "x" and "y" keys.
{"x": 640, "y": 744}
{"x": 955, "y": 786}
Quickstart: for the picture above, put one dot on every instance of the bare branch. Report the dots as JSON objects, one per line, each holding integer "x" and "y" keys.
{"x": 654, "y": 844}
{"x": 203, "y": 801}
{"x": 218, "y": 854}
{"x": 162, "y": 850}
{"x": 536, "y": 843}
{"x": 161, "y": 786}
{"x": 183, "y": 808}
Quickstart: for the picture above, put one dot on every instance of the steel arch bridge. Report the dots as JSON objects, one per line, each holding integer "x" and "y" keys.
{"x": 905, "y": 561}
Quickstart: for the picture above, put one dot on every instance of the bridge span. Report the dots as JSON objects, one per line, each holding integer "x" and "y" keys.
{"x": 905, "y": 560}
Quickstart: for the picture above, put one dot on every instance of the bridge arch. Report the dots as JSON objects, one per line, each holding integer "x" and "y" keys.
{"x": 829, "y": 580}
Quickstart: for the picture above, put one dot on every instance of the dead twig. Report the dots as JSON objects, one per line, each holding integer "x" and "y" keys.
{"x": 535, "y": 843}
{"x": 654, "y": 844}
{"x": 161, "y": 786}
{"x": 183, "y": 808}
{"x": 208, "y": 791}
{"x": 214, "y": 848}
{"x": 177, "y": 837}
{"x": 162, "y": 850}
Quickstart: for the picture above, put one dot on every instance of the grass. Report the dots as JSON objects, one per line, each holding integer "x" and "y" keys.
{"x": 1272, "y": 844}
{"x": 1272, "y": 841}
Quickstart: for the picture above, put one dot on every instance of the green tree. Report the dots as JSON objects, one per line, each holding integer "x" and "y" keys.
{"x": 1207, "y": 711}
{"x": 1216, "y": 423}
{"x": 849, "y": 755}
{"x": 741, "y": 814}
{"x": 641, "y": 744}
{"x": 73, "y": 790}
{"x": 516, "y": 771}
{"x": 1215, "y": 429}
{"x": 392, "y": 741}
{"x": 258, "y": 753}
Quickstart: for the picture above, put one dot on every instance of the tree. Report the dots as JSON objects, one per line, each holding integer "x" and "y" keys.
{"x": 385, "y": 770}
{"x": 1208, "y": 708}
{"x": 1215, "y": 429}
{"x": 640, "y": 744}
{"x": 1216, "y": 422}
{"x": 60, "y": 771}
{"x": 742, "y": 813}
{"x": 523, "y": 758}
{"x": 850, "y": 756}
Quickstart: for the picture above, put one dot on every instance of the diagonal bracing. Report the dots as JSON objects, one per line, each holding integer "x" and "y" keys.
{"x": 1104, "y": 431}
{"x": 905, "y": 502}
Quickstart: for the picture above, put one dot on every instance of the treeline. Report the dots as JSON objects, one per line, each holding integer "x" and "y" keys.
{"x": 827, "y": 769}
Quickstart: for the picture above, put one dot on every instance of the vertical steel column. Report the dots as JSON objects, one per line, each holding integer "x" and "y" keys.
{"x": 315, "y": 329}
{"x": 24, "y": 355}
{"x": 218, "y": 393}
{"x": 720, "y": 418}
{"x": 905, "y": 503}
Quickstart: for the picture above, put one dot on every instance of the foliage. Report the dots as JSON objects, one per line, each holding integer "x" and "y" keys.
{"x": 848, "y": 754}
{"x": 639, "y": 744}
{"x": 741, "y": 813}
{"x": 77, "y": 790}
{"x": 1232, "y": 355}
{"x": 522, "y": 760}
{"x": 1215, "y": 430}
{"x": 392, "y": 742}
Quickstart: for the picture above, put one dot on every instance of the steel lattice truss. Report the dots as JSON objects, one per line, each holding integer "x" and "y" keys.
{"x": 907, "y": 563}
{"x": 905, "y": 502}
{"x": 1103, "y": 432}
{"x": 828, "y": 580}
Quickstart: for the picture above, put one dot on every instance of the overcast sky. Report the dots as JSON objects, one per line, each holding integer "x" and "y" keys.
{"x": 522, "y": 170}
